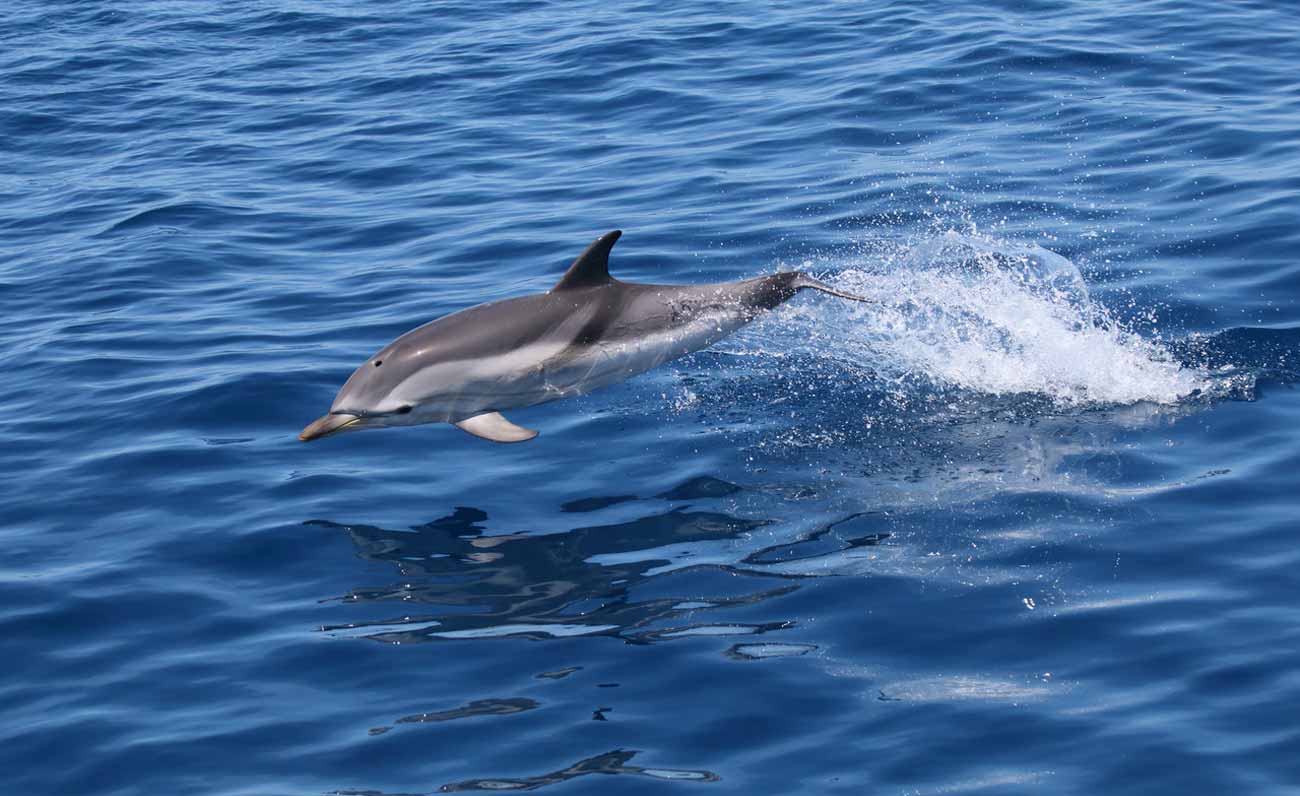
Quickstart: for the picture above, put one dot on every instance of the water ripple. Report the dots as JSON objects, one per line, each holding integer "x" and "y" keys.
{"x": 1027, "y": 524}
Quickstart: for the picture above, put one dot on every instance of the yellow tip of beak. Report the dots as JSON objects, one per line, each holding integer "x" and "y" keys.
{"x": 326, "y": 425}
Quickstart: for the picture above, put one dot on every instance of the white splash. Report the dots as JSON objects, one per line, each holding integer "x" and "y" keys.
{"x": 990, "y": 316}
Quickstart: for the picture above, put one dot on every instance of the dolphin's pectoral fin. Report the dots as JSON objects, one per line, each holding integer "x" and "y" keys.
{"x": 492, "y": 426}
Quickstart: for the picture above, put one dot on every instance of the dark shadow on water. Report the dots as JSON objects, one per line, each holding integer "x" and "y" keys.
{"x": 614, "y": 762}
{"x": 460, "y": 581}
{"x": 704, "y": 486}
{"x": 479, "y": 707}
{"x": 825, "y": 540}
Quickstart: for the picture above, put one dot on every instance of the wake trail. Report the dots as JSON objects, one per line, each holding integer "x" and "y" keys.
{"x": 988, "y": 316}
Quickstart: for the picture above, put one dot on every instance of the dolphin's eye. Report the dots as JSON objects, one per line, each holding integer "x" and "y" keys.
{"x": 378, "y": 362}
{"x": 402, "y": 410}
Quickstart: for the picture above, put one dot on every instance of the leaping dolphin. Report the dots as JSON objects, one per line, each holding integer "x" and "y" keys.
{"x": 588, "y": 331}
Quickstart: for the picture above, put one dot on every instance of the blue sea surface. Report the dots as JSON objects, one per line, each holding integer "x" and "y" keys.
{"x": 1029, "y": 524}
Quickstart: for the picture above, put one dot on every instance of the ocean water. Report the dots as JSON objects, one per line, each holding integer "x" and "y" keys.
{"x": 1027, "y": 525}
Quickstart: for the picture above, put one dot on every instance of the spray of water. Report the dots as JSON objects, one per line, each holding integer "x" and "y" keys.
{"x": 988, "y": 316}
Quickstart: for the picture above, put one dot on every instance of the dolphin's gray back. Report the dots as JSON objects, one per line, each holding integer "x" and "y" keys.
{"x": 610, "y": 314}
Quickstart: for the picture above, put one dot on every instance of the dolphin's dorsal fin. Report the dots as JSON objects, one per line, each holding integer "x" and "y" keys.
{"x": 591, "y": 269}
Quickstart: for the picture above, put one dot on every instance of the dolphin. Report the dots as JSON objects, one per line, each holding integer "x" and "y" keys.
{"x": 589, "y": 331}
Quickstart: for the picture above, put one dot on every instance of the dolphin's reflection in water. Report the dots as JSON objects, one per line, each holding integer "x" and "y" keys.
{"x": 479, "y": 707}
{"x": 592, "y": 580}
{"x": 631, "y": 580}
{"x": 613, "y": 762}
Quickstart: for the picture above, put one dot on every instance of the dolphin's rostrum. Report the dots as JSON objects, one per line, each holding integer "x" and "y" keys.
{"x": 588, "y": 331}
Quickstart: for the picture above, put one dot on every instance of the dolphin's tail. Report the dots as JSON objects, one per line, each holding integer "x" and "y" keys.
{"x": 802, "y": 280}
